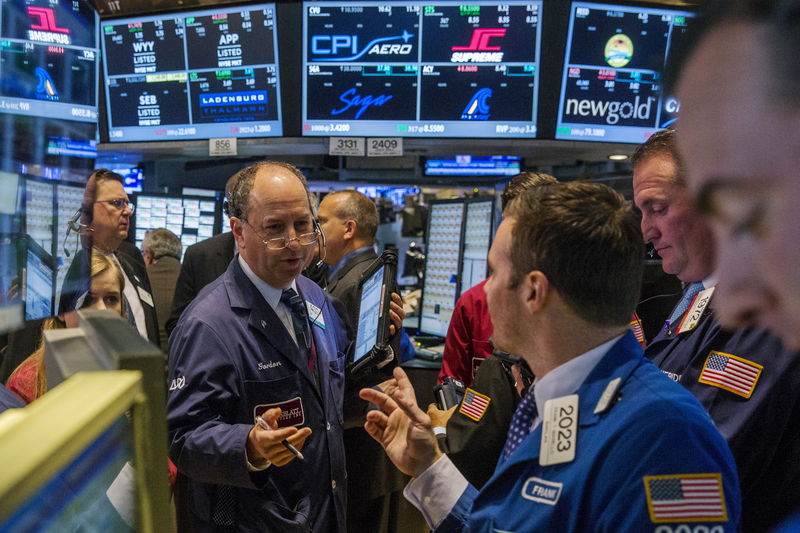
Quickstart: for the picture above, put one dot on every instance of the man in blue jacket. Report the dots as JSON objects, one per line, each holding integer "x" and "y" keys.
{"x": 258, "y": 358}
{"x": 603, "y": 441}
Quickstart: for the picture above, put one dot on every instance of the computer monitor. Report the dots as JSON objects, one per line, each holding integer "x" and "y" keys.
{"x": 39, "y": 281}
{"x": 11, "y": 306}
{"x": 470, "y": 165}
{"x": 611, "y": 88}
{"x": 477, "y": 240}
{"x": 441, "y": 285}
{"x": 192, "y": 219}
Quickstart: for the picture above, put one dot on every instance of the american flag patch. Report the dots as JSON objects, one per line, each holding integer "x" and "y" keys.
{"x": 731, "y": 373}
{"x": 474, "y": 405}
{"x": 638, "y": 332}
{"x": 685, "y": 498}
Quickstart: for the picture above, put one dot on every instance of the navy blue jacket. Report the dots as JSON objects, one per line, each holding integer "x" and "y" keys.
{"x": 655, "y": 428}
{"x": 762, "y": 430}
{"x": 8, "y": 400}
{"x": 229, "y": 354}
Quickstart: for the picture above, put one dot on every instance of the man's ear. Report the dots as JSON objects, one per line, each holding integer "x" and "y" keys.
{"x": 535, "y": 289}
{"x": 349, "y": 229}
{"x": 236, "y": 229}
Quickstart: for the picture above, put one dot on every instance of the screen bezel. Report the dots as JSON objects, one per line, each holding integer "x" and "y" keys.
{"x": 388, "y": 262}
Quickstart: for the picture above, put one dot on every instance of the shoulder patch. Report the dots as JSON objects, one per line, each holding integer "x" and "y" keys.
{"x": 685, "y": 498}
{"x": 474, "y": 405}
{"x": 730, "y": 372}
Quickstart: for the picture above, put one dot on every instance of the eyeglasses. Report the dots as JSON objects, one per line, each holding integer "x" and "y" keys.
{"x": 279, "y": 243}
{"x": 119, "y": 203}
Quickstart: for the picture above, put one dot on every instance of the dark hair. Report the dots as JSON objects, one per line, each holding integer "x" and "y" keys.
{"x": 522, "y": 182}
{"x": 357, "y": 207}
{"x": 239, "y": 201}
{"x": 660, "y": 143}
{"x": 781, "y": 21}
{"x": 585, "y": 238}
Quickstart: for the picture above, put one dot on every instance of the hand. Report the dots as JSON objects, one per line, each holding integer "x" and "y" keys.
{"x": 401, "y": 427}
{"x": 396, "y": 314}
{"x": 266, "y": 443}
{"x": 438, "y": 417}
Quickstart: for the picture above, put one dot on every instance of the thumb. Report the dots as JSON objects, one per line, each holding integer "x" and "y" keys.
{"x": 271, "y": 416}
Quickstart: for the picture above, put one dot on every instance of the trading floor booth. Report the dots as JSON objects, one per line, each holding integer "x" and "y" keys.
{"x": 90, "y": 455}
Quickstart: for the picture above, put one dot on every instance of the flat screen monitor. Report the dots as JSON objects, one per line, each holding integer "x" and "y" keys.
{"x": 469, "y": 165}
{"x": 48, "y": 59}
{"x": 477, "y": 239}
{"x": 11, "y": 308}
{"x": 192, "y": 219}
{"x": 395, "y": 194}
{"x": 68, "y": 201}
{"x": 611, "y": 87}
{"x": 421, "y": 69}
{"x": 39, "y": 201}
{"x": 440, "y": 287}
{"x": 193, "y": 75}
{"x": 369, "y": 314}
{"x": 40, "y": 281}
{"x": 65, "y": 146}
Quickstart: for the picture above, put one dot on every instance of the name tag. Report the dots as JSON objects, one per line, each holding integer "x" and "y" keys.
{"x": 315, "y": 315}
{"x": 559, "y": 430}
{"x": 292, "y": 413}
{"x": 145, "y": 296}
{"x": 692, "y": 316}
{"x": 541, "y": 491}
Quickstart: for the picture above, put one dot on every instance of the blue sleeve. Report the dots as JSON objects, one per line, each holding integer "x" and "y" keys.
{"x": 458, "y": 519}
{"x": 204, "y": 388}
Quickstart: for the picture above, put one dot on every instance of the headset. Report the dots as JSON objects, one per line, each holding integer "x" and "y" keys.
{"x": 74, "y": 224}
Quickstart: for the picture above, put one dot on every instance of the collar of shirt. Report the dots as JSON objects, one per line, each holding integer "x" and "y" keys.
{"x": 271, "y": 294}
{"x": 345, "y": 259}
{"x": 710, "y": 281}
{"x": 565, "y": 379}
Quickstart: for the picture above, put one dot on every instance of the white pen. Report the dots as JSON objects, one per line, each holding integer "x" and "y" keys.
{"x": 263, "y": 423}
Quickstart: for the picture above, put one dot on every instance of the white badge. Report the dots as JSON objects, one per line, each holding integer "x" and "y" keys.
{"x": 559, "y": 430}
{"x": 692, "y": 317}
{"x": 315, "y": 315}
{"x": 145, "y": 296}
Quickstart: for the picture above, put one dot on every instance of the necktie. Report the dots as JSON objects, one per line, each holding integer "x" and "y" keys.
{"x": 292, "y": 300}
{"x": 683, "y": 305}
{"x": 521, "y": 423}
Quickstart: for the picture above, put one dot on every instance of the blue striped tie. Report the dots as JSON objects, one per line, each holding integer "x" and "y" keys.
{"x": 683, "y": 305}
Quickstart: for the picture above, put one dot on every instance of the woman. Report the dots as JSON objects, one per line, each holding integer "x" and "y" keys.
{"x": 29, "y": 381}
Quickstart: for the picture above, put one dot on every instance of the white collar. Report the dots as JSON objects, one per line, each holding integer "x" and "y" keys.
{"x": 565, "y": 379}
{"x": 271, "y": 294}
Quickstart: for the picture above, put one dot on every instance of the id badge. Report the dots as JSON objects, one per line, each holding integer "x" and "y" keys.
{"x": 559, "y": 430}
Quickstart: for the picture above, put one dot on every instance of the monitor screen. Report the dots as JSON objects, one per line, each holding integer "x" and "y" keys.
{"x": 40, "y": 277}
{"x": 424, "y": 69}
{"x": 369, "y": 313}
{"x": 469, "y": 165}
{"x": 191, "y": 219}
{"x": 477, "y": 239}
{"x": 39, "y": 198}
{"x": 611, "y": 83}
{"x": 193, "y": 75}
{"x": 48, "y": 59}
{"x": 440, "y": 287}
{"x": 68, "y": 200}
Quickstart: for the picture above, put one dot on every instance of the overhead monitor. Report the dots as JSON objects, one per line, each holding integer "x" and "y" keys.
{"x": 470, "y": 165}
{"x": 477, "y": 239}
{"x": 192, "y": 219}
{"x": 48, "y": 59}
{"x": 611, "y": 88}
{"x": 440, "y": 287}
{"x": 421, "y": 69}
{"x": 193, "y": 75}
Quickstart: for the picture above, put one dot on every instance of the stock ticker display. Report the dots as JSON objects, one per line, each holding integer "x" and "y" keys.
{"x": 48, "y": 59}
{"x": 193, "y": 75}
{"x": 420, "y": 69}
{"x": 611, "y": 84}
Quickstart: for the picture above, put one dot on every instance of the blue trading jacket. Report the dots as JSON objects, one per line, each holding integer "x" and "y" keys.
{"x": 655, "y": 428}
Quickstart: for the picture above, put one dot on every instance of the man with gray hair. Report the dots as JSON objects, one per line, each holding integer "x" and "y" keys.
{"x": 162, "y": 250}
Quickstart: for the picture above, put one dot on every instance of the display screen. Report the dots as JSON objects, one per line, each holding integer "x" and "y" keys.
{"x": 477, "y": 239}
{"x": 611, "y": 87}
{"x": 191, "y": 219}
{"x": 440, "y": 284}
{"x": 369, "y": 314}
{"x": 193, "y": 75}
{"x": 48, "y": 59}
{"x": 39, "y": 285}
{"x": 442, "y": 69}
{"x": 468, "y": 165}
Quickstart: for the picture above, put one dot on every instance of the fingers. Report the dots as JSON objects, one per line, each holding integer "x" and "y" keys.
{"x": 279, "y": 455}
{"x": 386, "y": 404}
{"x": 270, "y": 416}
{"x": 406, "y": 399}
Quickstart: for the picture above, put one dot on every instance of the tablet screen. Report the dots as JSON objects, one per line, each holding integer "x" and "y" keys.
{"x": 369, "y": 314}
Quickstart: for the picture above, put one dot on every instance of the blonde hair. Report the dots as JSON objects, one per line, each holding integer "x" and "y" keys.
{"x": 100, "y": 264}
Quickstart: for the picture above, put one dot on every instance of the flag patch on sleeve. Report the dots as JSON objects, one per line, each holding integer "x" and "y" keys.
{"x": 686, "y": 498}
{"x": 730, "y": 372}
{"x": 474, "y": 405}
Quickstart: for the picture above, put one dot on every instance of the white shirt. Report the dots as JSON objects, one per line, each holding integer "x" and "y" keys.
{"x": 272, "y": 295}
{"x": 132, "y": 299}
{"x": 436, "y": 491}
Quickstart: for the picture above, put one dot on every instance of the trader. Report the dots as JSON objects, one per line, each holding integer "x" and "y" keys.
{"x": 603, "y": 441}
{"x": 261, "y": 340}
{"x": 745, "y": 378}
{"x": 740, "y": 138}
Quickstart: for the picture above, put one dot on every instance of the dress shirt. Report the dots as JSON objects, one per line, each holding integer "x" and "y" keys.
{"x": 436, "y": 491}
{"x": 272, "y": 295}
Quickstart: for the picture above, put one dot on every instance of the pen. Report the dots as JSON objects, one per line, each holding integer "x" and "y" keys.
{"x": 288, "y": 445}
